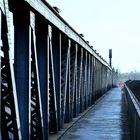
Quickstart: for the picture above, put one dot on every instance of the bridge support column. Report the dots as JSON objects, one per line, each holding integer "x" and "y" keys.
{"x": 65, "y": 54}
{"x": 80, "y": 78}
{"x": 73, "y": 78}
{"x": 56, "y": 50}
{"x": 21, "y": 23}
{"x": 43, "y": 67}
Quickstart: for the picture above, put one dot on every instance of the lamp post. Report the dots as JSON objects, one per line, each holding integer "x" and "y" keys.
{"x": 110, "y": 57}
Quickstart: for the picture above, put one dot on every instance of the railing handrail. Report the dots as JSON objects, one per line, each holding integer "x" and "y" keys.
{"x": 134, "y": 99}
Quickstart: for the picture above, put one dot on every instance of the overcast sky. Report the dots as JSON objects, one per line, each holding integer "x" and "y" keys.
{"x": 107, "y": 24}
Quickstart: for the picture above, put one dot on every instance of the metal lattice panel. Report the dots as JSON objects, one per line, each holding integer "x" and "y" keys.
{"x": 95, "y": 79}
{"x": 52, "y": 108}
{"x": 56, "y": 51}
{"x": 92, "y": 81}
{"x": 10, "y": 128}
{"x": 88, "y": 81}
{"x": 84, "y": 80}
{"x": 73, "y": 77}
{"x": 67, "y": 94}
{"x": 8, "y": 114}
{"x": 53, "y": 128}
{"x": 65, "y": 52}
{"x": 80, "y": 77}
{"x": 35, "y": 116}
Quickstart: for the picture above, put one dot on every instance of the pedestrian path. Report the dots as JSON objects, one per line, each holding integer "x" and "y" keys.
{"x": 108, "y": 120}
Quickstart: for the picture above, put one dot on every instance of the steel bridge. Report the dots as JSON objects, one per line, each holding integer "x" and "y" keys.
{"x": 49, "y": 73}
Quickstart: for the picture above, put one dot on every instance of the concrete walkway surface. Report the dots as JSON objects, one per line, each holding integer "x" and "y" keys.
{"x": 107, "y": 120}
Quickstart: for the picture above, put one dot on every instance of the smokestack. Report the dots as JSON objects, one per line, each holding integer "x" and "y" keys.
{"x": 110, "y": 57}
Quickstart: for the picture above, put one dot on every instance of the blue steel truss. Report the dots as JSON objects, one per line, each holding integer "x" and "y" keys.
{"x": 49, "y": 74}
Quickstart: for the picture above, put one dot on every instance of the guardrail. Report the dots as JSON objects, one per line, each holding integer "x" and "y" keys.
{"x": 133, "y": 107}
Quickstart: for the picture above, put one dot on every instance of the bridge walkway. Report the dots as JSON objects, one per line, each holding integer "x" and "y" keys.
{"x": 107, "y": 120}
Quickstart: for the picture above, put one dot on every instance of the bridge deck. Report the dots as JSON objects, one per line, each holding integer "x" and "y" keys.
{"x": 106, "y": 121}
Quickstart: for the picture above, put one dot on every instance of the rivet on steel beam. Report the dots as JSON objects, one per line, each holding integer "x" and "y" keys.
{"x": 81, "y": 35}
{"x": 57, "y": 9}
{"x": 91, "y": 47}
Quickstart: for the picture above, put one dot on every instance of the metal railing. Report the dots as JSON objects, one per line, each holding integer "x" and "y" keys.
{"x": 133, "y": 106}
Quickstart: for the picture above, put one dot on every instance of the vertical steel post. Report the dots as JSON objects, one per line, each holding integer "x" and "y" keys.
{"x": 85, "y": 81}
{"x": 80, "y": 77}
{"x": 88, "y": 81}
{"x": 67, "y": 94}
{"x": 53, "y": 126}
{"x": 21, "y": 23}
{"x": 56, "y": 50}
{"x": 0, "y": 66}
{"x": 75, "y": 90}
{"x": 42, "y": 45}
{"x": 35, "y": 105}
{"x": 92, "y": 79}
{"x": 73, "y": 78}
{"x": 65, "y": 52}
{"x": 95, "y": 78}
